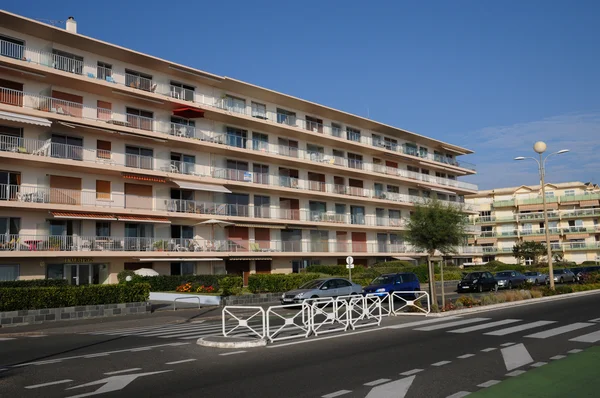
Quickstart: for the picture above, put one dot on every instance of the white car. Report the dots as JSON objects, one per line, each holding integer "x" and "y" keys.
{"x": 537, "y": 278}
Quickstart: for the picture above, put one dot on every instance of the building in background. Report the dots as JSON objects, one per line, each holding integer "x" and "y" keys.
{"x": 112, "y": 159}
{"x": 512, "y": 215}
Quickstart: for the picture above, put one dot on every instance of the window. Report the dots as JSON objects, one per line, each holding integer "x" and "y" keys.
{"x": 314, "y": 124}
{"x": 103, "y": 228}
{"x": 260, "y": 142}
{"x": 104, "y": 71}
{"x": 182, "y": 163}
{"x": 236, "y": 137}
{"x": 288, "y": 147}
{"x": 183, "y": 268}
{"x": 140, "y": 158}
{"x": 422, "y": 152}
{"x": 9, "y": 229}
{"x": 12, "y": 132}
{"x": 286, "y": 117}
{"x": 182, "y": 91}
{"x": 339, "y": 157}
{"x": 410, "y": 149}
{"x": 261, "y": 173}
{"x": 9, "y": 272}
{"x": 67, "y": 62}
{"x": 183, "y": 127}
{"x": 182, "y": 234}
{"x": 355, "y": 161}
{"x": 237, "y": 170}
{"x": 10, "y": 185}
{"x": 412, "y": 169}
{"x": 352, "y": 134}
{"x": 393, "y": 189}
{"x": 238, "y": 204}
{"x": 357, "y": 214}
{"x": 67, "y": 147}
{"x": 316, "y": 153}
{"x": 262, "y": 206}
{"x": 390, "y": 143}
{"x": 139, "y": 119}
{"x": 12, "y": 48}
{"x": 336, "y": 130}
{"x": 103, "y": 149}
{"x": 550, "y": 194}
{"x": 413, "y": 192}
{"x": 103, "y": 190}
{"x": 376, "y": 140}
{"x": 570, "y": 192}
{"x": 259, "y": 110}
{"x": 139, "y": 80}
{"x": 340, "y": 210}
{"x": 394, "y": 217}
{"x": 380, "y": 216}
{"x": 234, "y": 104}
{"x": 379, "y": 192}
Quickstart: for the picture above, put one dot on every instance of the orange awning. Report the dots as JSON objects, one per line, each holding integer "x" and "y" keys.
{"x": 143, "y": 178}
{"x": 83, "y": 216}
{"x": 538, "y": 207}
{"x": 188, "y": 112}
{"x": 589, "y": 203}
{"x": 577, "y": 236}
{"x": 158, "y": 220}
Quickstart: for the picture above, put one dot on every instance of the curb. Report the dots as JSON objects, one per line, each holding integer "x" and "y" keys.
{"x": 241, "y": 343}
{"x": 520, "y": 303}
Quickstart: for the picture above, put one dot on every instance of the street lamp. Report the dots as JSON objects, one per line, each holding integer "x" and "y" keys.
{"x": 540, "y": 148}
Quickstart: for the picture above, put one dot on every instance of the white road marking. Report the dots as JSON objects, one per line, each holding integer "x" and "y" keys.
{"x": 484, "y": 326}
{"x": 418, "y": 323}
{"x": 515, "y": 329}
{"x": 507, "y": 344}
{"x": 515, "y": 373}
{"x": 558, "y": 357}
{"x": 465, "y": 356}
{"x": 538, "y": 364}
{"x": 575, "y": 351}
{"x": 459, "y": 394}
{"x": 411, "y": 372}
{"x": 6, "y": 338}
{"x": 96, "y": 355}
{"x": 488, "y": 349}
{"x": 394, "y": 389}
{"x": 451, "y": 324}
{"x": 515, "y": 356}
{"x": 376, "y": 382}
{"x": 231, "y": 353}
{"x": 441, "y": 363}
{"x": 560, "y": 330}
{"x": 327, "y": 337}
{"x": 140, "y": 349}
{"x": 116, "y": 372}
{"x": 595, "y": 320}
{"x": 182, "y": 361}
{"x": 37, "y": 335}
{"x": 49, "y": 384}
{"x": 112, "y": 383}
{"x": 336, "y": 394}
{"x": 588, "y": 338}
{"x": 488, "y": 383}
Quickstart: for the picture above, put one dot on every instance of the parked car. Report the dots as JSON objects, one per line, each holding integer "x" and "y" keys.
{"x": 509, "y": 279}
{"x": 477, "y": 282}
{"x": 317, "y": 288}
{"x": 563, "y": 275}
{"x": 581, "y": 271}
{"x": 537, "y": 278}
{"x": 390, "y": 283}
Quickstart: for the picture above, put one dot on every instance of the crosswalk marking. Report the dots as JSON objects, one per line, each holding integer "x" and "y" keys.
{"x": 515, "y": 329}
{"x": 588, "y": 338}
{"x": 182, "y": 331}
{"x": 484, "y": 326}
{"x": 559, "y": 330}
{"x": 451, "y": 324}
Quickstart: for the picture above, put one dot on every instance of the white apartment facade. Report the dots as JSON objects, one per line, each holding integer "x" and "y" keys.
{"x": 112, "y": 159}
{"x": 511, "y": 215}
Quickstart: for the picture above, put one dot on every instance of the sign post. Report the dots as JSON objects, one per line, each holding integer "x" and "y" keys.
{"x": 350, "y": 265}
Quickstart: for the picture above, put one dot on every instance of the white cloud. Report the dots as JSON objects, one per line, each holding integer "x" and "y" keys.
{"x": 495, "y": 148}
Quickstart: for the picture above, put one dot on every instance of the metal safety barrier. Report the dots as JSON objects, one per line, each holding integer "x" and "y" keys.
{"x": 186, "y": 298}
{"x": 328, "y": 312}
{"x": 413, "y": 302}
{"x": 364, "y": 311}
{"x": 298, "y": 322}
{"x": 242, "y": 320}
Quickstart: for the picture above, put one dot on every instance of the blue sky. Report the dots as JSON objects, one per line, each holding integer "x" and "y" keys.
{"x": 492, "y": 76}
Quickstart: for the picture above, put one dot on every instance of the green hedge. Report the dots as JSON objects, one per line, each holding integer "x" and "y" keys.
{"x": 31, "y": 298}
{"x": 167, "y": 283}
{"x": 34, "y": 283}
{"x": 276, "y": 283}
{"x": 231, "y": 285}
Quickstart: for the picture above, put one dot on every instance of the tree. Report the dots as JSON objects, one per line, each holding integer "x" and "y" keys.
{"x": 533, "y": 250}
{"x": 435, "y": 226}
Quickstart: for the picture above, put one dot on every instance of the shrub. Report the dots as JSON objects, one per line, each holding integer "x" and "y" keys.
{"x": 362, "y": 281}
{"x": 34, "y": 283}
{"x": 185, "y": 288}
{"x": 590, "y": 278}
{"x": 394, "y": 264}
{"x": 329, "y": 269}
{"x": 205, "y": 289}
{"x": 449, "y": 276}
{"x": 231, "y": 285}
{"x": 122, "y": 276}
{"x": 168, "y": 283}
{"x": 20, "y": 298}
{"x": 536, "y": 294}
{"x": 277, "y": 283}
{"x": 468, "y": 301}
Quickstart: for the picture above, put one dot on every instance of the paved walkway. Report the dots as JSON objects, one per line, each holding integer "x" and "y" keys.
{"x": 574, "y": 376}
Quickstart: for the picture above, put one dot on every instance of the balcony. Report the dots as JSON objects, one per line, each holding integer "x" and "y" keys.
{"x": 504, "y": 203}
{"x": 537, "y": 216}
{"x": 540, "y": 231}
{"x": 592, "y": 212}
{"x": 507, "y": 234}
{"x": 575, "y": 246}
{"x": 92, "y": 71}
{"x": 485, "y": 219}
{"x": 578, "y": 230}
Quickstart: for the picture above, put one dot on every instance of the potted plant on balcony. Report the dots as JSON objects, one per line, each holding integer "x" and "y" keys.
{"x": 54, "y": 243}
{"x": 160, "y": 245}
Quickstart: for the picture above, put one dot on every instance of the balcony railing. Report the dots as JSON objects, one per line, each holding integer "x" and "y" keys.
{"x": 504, "y": 203}
{"x": 539, "y": 231}
{"x": 44, "y": 58}
{"x": 578, "y": 229}
{"x": 580, "y": 213}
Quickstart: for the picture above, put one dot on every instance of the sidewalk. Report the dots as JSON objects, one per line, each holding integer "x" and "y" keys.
{"x": 574, "y": 376}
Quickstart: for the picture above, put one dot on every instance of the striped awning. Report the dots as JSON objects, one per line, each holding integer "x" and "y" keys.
{"x": 82, "y": 216}
{"x": 248, "y": 258}
{"x": 143, "y": 178}
{"x": 577, "y": 236}
{"x": 487, "y": 240}
{"x": 15, "y": 117}
{"x": 539, "y": 238}
{"x": 158, "y": 220}
{"x": 589, "y": 203}
{"x": 538, "y": 207}
{"x": 271, "y": 226}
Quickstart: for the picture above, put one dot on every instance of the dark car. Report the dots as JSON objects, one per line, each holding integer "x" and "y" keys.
{"x": 580, "y": 272}
{"x": 477, "y": 282}
{"x": 510, "y": 279}
{"x": 390, "y": 283}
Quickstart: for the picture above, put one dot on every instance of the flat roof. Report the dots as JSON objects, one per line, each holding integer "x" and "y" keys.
{"x": 511, "y": 190}
{"x": 55, "y": 34}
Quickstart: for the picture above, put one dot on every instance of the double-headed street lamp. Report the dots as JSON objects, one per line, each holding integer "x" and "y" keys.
{"x": 540, "y": 148}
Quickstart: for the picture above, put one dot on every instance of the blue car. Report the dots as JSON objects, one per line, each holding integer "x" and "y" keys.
{"x": 390, "y": 283}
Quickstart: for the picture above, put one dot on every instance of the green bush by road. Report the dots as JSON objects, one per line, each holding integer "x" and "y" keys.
{"x": 34, "y": 283}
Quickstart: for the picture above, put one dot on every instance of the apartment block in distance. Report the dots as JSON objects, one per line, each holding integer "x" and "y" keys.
{"x": 111, "y": 159}
{"x": 511, "y": 215}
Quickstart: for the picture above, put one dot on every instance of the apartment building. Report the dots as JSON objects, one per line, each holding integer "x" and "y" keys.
{"x": 111, "y": 159}
{"x": 511, "y": 215}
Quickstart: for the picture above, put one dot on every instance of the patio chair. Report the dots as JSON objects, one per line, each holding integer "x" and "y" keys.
{"x": 44, "y": 149}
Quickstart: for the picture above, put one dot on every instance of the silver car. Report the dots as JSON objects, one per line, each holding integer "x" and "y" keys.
{"x": 564, "y": 275}
{"x": 536, "y": 278}
{"x": 326, "y": 287}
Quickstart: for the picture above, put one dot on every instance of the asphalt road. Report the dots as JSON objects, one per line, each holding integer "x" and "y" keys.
{"x": 427, "y": 357}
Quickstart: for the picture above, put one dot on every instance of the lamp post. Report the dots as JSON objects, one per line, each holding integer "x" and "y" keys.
{"x": 540, "y": 148}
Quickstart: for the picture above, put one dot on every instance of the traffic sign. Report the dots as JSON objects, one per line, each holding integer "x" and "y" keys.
{"x": 349, "y": 266}
{"x": 349, "y": 260}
